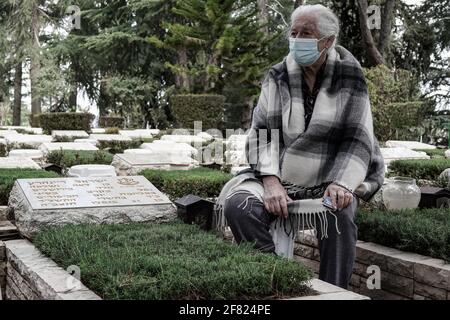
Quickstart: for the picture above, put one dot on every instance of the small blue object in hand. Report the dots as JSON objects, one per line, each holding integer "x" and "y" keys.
{"x": 328, "y": 203}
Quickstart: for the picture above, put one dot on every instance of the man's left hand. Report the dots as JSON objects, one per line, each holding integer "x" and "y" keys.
{"x": 340, "y": 196}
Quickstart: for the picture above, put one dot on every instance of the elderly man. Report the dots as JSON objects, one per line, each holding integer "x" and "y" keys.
{"x": 311, "y": 138}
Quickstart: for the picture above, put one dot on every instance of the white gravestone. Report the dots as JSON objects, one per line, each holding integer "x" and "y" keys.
{"x": 138, "y": 151}
{"x": 75, "y": 146}
{"x": 26, "y": 153}
{"x": 4, "y": 133}
{"x": 109, "y": 137}
{"x": 18, "y": 163}
{"x": 40, "y": 203}
{"x": 25, "y": 129}
{"x": 391, "y": 154}
{"x": 131, "y": 164}
{"x": 136, "y": 134}
{"x": 71, "y": 134}
{"x": 447, "y": 154}
{"x": 32, "y": 140}
{"x": 235, "y": 142}
{"x": 92, "y": 170}
{"x": 409, "y": 145}
{"x": 98, "y": 130}
{"x": 169, "y": 147}
{"x": 184, "y": 139}
{"x": 91, "y": 141}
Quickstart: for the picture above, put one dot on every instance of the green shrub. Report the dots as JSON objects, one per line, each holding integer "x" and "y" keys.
{"x": 112, "y": 130}
{"x": 424, "y": 232}
{"x": 9, "y": 176}
{"x": 117, "y": 146}
{"x": 419, "y": 169}
{"x": 64, "y": 139}
{"x": 206, "y": 108}
{"x": 433, "y": 153}
{"x": 394, "y": 98}
{"x": 203, "y": 182}
{"x": 170, "y": 261}
{"x": 111, "y": 122}
{"x": 66, "y": 121}
{"x": 69, "y": 158}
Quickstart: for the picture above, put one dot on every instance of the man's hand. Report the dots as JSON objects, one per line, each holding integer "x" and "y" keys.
{"x": 275, "y": 196}
{"x": 340, "y": 196}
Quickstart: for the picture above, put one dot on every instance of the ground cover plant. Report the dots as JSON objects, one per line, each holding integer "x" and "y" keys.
{"x": 419, "y": 169}
{"x": 69, "y": 158}
{"x": 425, "y": 231}
{"x": 170, "y": 261}
{"x": 203, "y": 182}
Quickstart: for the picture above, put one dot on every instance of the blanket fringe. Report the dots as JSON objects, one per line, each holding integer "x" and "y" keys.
{"x": 298, "y": 221}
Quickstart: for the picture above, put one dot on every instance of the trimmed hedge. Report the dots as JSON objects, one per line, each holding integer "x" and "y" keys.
{"x": 425, "y": 232}
{"x": 192, "y": 107}
{"x": 69, "y": 158}
{"x": 203, "y": 182}
{"x": 9, "y": 176}
{"x": 419, "y": 169}
{"x": 170, "y": 261}
{"x": 111, "y": 122}
{"x": 66, "y": 121}
{"x": 112, "y": 130}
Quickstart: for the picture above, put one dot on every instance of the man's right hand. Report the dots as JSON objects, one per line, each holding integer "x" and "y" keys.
{"x": 275, "y": 196}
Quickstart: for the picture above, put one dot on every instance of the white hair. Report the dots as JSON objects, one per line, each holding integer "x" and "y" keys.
{"x": 327, "y": 21}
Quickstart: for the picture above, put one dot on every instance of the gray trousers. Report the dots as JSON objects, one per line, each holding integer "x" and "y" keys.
{"x": 337, "y": 252}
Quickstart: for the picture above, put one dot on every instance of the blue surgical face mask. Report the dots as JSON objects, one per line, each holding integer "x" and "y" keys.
{"x": 305, "y": 50}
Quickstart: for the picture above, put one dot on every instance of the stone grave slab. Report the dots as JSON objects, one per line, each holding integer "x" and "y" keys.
{"x": 138, "y": 151}
{"x": 26, "y": 153}
{"x": 136, "y": 134}
{"x": 18, "y": 163}
{"x": 56, "y": 146}
{"x": 235, "y": 142}
{"x": 91, "y": 141}
{"x": 18, "y": 141}
{"x": 409, "y": 145}
{"x": 169, "y": 147}
{"x": 40, "y": 203}
{"x": 131, "y": 164}
{"x": 391, "y": 154}
{"x": 26, "y": 129}
{"x": 71, "y": 134}
{"x": 92, "y": 170}
{"x": 4, "y": 133}
{"x": 184, "y": 139}
{"x": 98, "y": 130}
{"x": 109, "y": 137}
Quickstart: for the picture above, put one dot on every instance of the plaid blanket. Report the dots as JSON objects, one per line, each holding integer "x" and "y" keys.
{"x": 339, "y": 145}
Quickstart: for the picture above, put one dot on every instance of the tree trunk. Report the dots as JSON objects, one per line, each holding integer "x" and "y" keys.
{"x": 298, "y": 3}
{"x": 263, "y": 16}
{"x": 17, "y": 107}
{"x": 73, "y": 97}
{"x": 386, "y": 26}
{"x": 374, "y": 56}
{"x": 182, "y": 79}
{"x": 35, "y": 67}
